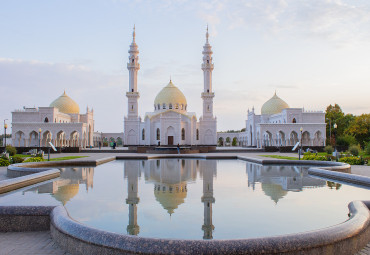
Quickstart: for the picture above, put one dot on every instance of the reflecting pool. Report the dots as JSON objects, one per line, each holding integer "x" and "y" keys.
{"x": 194, "y": 199}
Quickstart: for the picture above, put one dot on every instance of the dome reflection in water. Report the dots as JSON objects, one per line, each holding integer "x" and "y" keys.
{"x": 195, "y": 199}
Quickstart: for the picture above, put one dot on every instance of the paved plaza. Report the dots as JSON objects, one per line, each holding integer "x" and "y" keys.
{"x": 41, "y": 243}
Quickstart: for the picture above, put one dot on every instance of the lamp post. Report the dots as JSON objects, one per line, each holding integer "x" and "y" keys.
{"x": 329, "y": 130}
{"x": 335, "y": 140}
{"x": 5, "y": 127}
{"x": 300, "y": 150}
{"x": 40, "y": 139}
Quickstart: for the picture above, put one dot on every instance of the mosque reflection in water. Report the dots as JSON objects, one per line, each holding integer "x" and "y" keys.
{"x": 170, "y": 178}
{"x": 68, "y": 184}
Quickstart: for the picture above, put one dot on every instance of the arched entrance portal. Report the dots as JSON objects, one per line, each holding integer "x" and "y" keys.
{"x": 170, "y": 134}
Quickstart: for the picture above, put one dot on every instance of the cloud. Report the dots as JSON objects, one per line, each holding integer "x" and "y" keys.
{"x": 34, "y": 83}
{"x": 336, "y": 21}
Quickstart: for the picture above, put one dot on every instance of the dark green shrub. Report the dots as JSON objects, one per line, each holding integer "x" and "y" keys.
{"x": 354, "y": 150}
{"x": 11, "y": 150}
{"x": 346, "y": 140}
{"x": 329, "y": 149}
{"x": 4, "y": 162}
{"x": 34, "y": 159}
{"x": 352, "y": 160}
{"x": 16, "y": 159}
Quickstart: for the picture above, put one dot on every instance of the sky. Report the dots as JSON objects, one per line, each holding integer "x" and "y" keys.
{"x": 312, "y": 53}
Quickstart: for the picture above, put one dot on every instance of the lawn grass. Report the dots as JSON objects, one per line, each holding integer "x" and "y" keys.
{"x": 279, "y": 157}
{"x": 66, "y": 158}
{"x": 22, "y": 155}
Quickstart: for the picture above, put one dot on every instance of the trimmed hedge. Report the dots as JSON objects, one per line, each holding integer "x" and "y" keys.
{"x": 314, "y": 157}
{"x": 352, "y": 160}
{"x": 4, "y": 162}
{"x": 34, "y": 159}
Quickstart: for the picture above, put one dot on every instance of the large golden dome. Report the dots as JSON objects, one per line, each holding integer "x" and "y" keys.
{"x": 66, "y": 104}
{"x": 170, "y": 95}
{"x": 274, "y": 105}
{"x": 170, "y": 200}
{"x": 274, "y": 191}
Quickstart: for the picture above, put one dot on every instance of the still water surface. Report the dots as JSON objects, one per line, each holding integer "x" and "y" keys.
{"x": 194, "y": 199}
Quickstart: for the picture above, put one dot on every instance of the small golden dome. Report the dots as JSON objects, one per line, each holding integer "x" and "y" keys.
{"x": 274, "y": 105}
{"x": 170, "y": 95}
{"x": 66, "y": 192}
{"x": 65, "y": 104}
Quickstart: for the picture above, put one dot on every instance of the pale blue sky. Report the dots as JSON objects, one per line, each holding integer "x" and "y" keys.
{"x": 314, "y": 53}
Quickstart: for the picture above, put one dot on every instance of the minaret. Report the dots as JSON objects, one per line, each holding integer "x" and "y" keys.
{"x": 133, "y": 67}
{"x": 132, "y": 121}
{"x": 207, "y": 67}
{"x": 132, "y": 173}
{"x": 208, "y": 200}
{"x": 207, "y": 122}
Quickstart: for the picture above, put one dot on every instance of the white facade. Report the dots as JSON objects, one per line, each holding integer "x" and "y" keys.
{"x": 62, "y": 129}
{"x": 170, "y": 123}
{"x": 279, "y": 125}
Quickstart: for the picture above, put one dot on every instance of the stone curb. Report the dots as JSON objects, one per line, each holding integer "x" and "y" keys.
{"x": 23, "y": 181}
{"x": 345, "y": 238}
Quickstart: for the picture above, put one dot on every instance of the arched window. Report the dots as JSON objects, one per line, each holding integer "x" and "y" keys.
{"x": 158, "y": 134}
{"x": 183, "y": 134}
{"x": 294, "y": 120}
{"x": 159, "y": 106}
{"x": 170, "y": 106}
{"x": 133, "y": 60}
{"x": 177, "y": 106}
{"x": 197, "y": 134}
{"x": 143, "y": 134}
{"x": 46, "y": 120}
{"x": 164, "y": 106}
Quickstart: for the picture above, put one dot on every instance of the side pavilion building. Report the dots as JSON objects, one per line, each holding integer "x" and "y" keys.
{"x": 61, "y": 123}
{"x": 279, "y": 125}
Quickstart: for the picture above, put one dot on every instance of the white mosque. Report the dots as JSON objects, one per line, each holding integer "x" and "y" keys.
{"x": 170, "y": 123}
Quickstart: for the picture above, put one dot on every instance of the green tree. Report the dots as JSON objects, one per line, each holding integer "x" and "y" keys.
{"x": 360, "y": 129}
{"x": 335, "y": 115}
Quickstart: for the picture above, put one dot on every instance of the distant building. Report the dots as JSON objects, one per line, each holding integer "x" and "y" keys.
{"x": 61, "y": 123}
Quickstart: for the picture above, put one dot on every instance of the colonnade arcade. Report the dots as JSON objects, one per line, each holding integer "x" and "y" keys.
{"x": 282, "y": 139}
{"x": 59, "y": 139}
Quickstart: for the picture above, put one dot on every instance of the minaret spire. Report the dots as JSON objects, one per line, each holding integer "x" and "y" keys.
{"x": 132, "y": 119}
{"x": 208, "y": 123}
{"x": 207, "y": 35}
